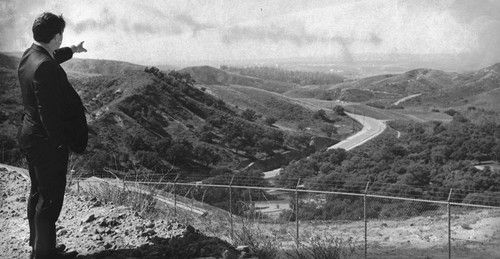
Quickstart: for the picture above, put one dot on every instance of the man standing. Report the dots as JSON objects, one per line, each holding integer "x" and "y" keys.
{"x": 53, "y": 123}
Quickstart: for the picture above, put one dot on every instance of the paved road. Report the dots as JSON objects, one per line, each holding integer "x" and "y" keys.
{"x": 371, "y": 128}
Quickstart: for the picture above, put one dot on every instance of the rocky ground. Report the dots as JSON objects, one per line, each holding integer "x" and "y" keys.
{"x": 99, "y": 230}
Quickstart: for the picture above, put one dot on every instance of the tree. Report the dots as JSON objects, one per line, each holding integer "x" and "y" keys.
{"x": 451, "y": 112}
{"x": 339, "y": 110}
{"x": 249, "y": 115}
{"x": 206, "y": 154}
{"x": 163, "y": 145}
{"x": 136, "y": 143}
{"x": 302, "y": 125}
{"x": 297, "y": 141}
{"x": 268, "y": 145}
{"x": 205, "y": 133}
{"x": 329, "y": 129}
{"x": 320, "y": 114}
{"x": 270, "y": 120}
{"x": 180, "y": 151}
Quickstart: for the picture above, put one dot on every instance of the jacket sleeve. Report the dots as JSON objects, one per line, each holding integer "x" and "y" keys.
{"x": 49, "y": 96}
{"x": 63, "y": 54}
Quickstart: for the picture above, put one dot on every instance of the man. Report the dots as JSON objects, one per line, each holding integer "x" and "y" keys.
{"x": 53, "y": 123}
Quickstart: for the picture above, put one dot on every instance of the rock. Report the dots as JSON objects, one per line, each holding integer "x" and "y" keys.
{"x": 227, "y": 254}
{"x": 103, "y": 223}
{"x": 96, "y": 204}
{"x": 62, "y": 232}
{"x": 149, "y": 232}
{"x": 90, "y": 218}
{"x": 108, "y": 246}
{"x": 113, "y": 223}
{"x": 189, "y": 230}
{"x": 139, "y": 227}
{"x": 150, "y": 224}
{"x": 466, "y": 226}
{"x": 243, "y": 249}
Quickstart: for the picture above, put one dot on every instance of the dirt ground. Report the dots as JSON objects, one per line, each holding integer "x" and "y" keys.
{"x": 98, "y": 230}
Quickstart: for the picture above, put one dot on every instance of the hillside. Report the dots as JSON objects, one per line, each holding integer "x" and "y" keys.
{"x": 99, "y": 67}
{"x": 436, "y": 88}
{"x": 149, "y": 123}
{"x": 265, "y": 99}
{"x": 212, "y": 76}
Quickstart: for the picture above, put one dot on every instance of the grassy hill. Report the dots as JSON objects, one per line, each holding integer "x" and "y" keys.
{"x": 435, "y": 88}
{"x": 263, "y": 97}
{"x": 207, "y": 75}
{"x": 99, "y": 67}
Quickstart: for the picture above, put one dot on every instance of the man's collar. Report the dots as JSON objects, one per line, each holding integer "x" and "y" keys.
{"x": 40, "y": 47}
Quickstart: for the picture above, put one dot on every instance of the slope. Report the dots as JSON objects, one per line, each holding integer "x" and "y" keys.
{"x": 207, "y": 75}
{"x": 267, "y": 101}
{"x": 436, "y": 88}
{"x": 147, "y": 123}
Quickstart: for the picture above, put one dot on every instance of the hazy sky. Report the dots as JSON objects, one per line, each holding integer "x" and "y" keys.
{"x": 165, "y": 32}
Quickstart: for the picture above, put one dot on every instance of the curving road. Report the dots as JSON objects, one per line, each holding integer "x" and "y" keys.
{"x": 371, "y": 128}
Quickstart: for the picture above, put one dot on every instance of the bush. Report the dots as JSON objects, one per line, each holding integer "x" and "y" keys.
{"x": 321, "y": 247}
{"x": 339, "y": 110}
{"x": 270, "y": 120}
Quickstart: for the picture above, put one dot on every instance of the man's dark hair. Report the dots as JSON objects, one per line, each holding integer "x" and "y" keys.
{"x": 46, "y": 26}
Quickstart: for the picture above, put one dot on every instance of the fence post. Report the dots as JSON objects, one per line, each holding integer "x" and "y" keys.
{"x": 231, "y": 207}
{"x": 449, "y": 224}
{"x": 365, "y": 220}
{"x": 297, "y": 240}
{"x": 175, "y": 196}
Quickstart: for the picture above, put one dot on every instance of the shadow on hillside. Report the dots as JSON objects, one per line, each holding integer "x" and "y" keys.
{"x": 193, "y": 246}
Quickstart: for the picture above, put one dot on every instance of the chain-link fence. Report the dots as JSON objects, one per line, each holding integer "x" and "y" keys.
{"x": 323, "y": 224}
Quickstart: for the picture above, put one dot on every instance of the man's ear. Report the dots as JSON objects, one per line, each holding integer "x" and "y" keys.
{"x": 56, "y": 39}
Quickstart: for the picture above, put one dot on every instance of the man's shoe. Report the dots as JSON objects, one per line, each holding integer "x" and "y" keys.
{"x": 65, "y": 255}
{"x": 60, "y": 248}
{"x": 58, "y": 255}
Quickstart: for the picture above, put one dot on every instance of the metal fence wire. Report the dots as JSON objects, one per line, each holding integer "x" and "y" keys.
{"x": 358, "y": 225}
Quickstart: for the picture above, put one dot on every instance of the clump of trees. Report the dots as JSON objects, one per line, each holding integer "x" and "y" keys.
{"x": 425, "y": 162}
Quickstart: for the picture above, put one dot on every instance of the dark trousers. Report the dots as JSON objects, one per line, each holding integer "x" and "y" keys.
{"x": 47, "y": 168}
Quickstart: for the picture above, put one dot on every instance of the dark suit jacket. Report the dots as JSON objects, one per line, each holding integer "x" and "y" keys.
{"x": 52, "y": 108}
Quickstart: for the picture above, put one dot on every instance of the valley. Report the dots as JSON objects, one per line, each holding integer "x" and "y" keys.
{"x": 206, "y": 124}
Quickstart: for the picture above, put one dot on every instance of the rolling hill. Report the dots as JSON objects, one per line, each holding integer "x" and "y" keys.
{"x": 207, "y": 75}
{"x": 435, "y": 88}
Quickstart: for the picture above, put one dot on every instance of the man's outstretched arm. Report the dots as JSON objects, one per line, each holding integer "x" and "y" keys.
{"x": 64, "y": 54}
